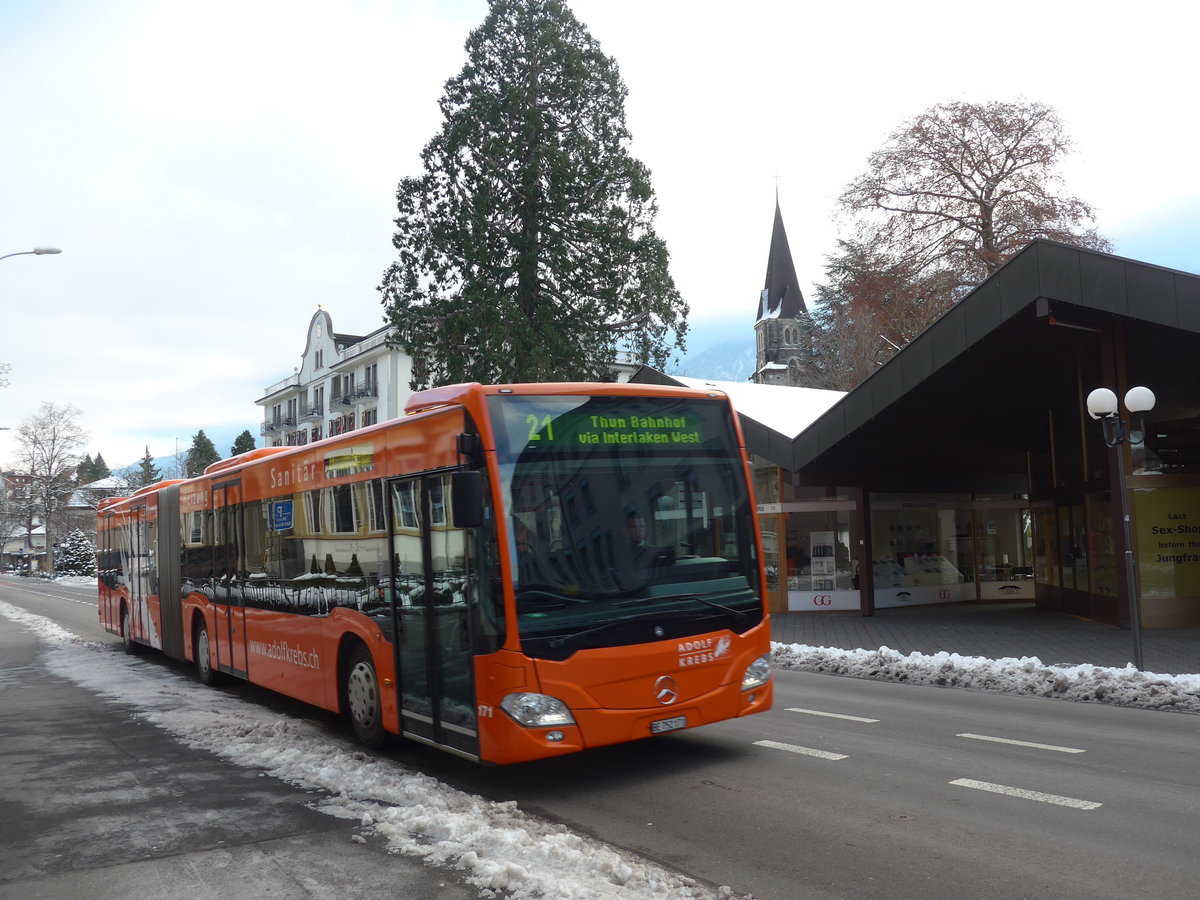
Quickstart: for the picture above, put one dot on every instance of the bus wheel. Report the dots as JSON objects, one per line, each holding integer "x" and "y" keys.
{"x": 203, "y": 650}
{"x": 127, "y": 642}
{"x": 364, "y": 703}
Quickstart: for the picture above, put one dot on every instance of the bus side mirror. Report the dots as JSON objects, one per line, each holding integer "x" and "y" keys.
{"x": 466, "y": 499}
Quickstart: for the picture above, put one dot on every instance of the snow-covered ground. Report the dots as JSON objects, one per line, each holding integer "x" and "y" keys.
{"x": 1027, "y": 675}
{"x": 502, "y": 850}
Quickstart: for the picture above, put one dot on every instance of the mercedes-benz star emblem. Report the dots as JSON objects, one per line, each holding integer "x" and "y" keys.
{"x": 666, "y": 691}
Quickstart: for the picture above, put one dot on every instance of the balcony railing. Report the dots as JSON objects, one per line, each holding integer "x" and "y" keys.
{"x": 341, "y": 400}
{"x": 366, "y": 391}
{"x": 315, "y": 411}
{"x": 277, "y": 424}
{"x": 292, "y": 381}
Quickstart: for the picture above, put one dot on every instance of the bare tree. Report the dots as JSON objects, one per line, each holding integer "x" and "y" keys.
{"x": 964, "y": 186}
{"x": 869, "y": 307}
{"x": 48, "y": 442}
{"x": 951, "y": 196}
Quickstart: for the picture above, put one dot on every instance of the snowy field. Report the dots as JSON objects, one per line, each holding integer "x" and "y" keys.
{"x": 500, "y": 849}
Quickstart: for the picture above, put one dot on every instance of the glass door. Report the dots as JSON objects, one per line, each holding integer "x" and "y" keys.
{"x": 433, "y": 589}
{"x": 229, "y": 643}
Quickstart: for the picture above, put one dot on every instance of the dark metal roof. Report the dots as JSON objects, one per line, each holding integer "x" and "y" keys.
{"x": 958, "y": 408}
{"x": 781, "y": 297}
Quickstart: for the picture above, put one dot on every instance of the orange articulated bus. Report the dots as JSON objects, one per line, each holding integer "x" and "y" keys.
{"x": 507, "y": 573}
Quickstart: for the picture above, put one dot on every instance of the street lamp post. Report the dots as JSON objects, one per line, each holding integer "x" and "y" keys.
{"x": 36, "y": 251}
{"x": 1102, "y": 405}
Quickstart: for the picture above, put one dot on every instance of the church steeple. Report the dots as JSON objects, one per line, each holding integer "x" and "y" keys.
{"x": 783, "y": 331}
{"x": 780, "y": 297}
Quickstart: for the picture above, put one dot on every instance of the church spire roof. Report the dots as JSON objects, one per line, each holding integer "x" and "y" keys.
{"x": 781, "y": 297}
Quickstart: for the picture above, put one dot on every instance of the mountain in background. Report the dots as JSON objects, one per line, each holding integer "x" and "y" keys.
{"x": 726, "y": 361}
{"x": 718, "y": 349}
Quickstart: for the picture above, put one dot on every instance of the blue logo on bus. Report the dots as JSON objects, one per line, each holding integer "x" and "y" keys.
{"x": 281, "y": 515}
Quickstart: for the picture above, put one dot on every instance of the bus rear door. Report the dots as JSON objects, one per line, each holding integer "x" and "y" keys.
{"x": 229, "y": 642}
{"x": 433, "y": 588}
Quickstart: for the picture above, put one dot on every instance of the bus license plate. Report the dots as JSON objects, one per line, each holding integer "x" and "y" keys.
{"x": 668, "y": 724}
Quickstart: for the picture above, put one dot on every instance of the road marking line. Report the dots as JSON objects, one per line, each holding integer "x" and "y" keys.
{"x": 807, "y": 751}
{"x": 817, "y": 712}
{"x": 1026, "y": 795}
{"x": 1000, "y": 740}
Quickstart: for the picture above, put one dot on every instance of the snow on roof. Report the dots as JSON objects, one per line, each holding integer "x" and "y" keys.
{"x": 782, "y": 408}
{"x": 112, "y": 482}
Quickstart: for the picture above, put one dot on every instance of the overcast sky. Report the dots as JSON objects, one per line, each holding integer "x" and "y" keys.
{"x": 215, "y": 171}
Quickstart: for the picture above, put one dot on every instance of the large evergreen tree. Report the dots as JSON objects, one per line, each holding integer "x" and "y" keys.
{"x": 83, "y": 472}
{"x": 200, "y": 455}
{"x": 90, "y": 470}
{"x": 526, "y": 249}
{"x": 100, "y": 468}
{"x": 145, "y": 473}
{"x": 242, "y": 443}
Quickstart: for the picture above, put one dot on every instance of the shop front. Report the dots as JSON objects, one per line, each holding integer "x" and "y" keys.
{"x": 967, "y": 468}
{"x": 919, "y": 549}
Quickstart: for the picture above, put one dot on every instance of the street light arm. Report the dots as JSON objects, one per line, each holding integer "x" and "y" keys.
{"x": 36, "y": 251}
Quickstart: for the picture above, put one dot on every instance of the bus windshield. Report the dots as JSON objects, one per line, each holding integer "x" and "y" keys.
{"x": 629, "y": 520}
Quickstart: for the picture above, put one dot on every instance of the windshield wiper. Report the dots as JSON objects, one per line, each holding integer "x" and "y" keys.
{"x": 712, "y": 603}
{"x": 603, "y": 626}
{"x": 545, "y": 599}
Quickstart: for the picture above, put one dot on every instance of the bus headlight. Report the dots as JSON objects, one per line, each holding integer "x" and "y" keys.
{"x": 537, "y": 710}
{"x": 758, "y": 673}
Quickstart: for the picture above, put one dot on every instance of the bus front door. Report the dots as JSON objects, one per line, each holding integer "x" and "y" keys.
{"x": 433, "y": 590}
{"x": 229, "y": 642}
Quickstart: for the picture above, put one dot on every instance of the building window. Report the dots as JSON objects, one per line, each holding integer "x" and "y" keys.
{"x": 312, "y": 511}
{"x": 370, "y": 417}
{"x": 375, "y": 507}
{"x": 343, "y": 509}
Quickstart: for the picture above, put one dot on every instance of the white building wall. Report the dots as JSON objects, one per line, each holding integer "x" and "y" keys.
{"x": 342, "y": 381}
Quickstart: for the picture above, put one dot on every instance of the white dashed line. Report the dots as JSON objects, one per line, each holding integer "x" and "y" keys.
{"x": 806, "y": 751}
{"x": 1025, "y": 795}
{"x": 817, "y": 712}
{"x": 1000, "y": 740}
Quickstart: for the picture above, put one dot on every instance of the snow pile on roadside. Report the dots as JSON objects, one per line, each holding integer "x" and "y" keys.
{"x": 502, "y": 850}
{"x": 1028, "y": 675}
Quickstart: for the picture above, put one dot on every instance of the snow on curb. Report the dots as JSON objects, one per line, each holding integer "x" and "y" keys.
{"x": 1028, "y": 675}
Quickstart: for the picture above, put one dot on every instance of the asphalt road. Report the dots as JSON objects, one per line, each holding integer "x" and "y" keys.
{"x": 97, "y": 803}
{"x": 846, "y": 789}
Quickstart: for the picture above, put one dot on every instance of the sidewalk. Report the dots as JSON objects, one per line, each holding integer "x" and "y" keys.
{"x": 993, "y": 630}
